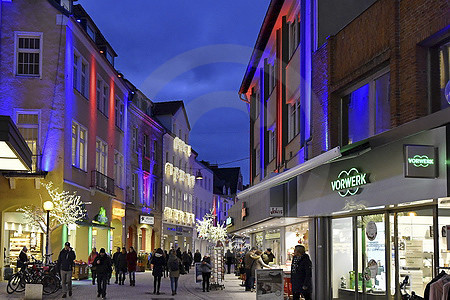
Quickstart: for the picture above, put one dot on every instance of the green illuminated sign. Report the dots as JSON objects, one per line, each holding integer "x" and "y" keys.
{"x": 421, "y": 161}
{"x": 349, "y": 182}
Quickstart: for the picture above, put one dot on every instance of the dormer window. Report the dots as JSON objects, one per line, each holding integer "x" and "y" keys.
{"x": 224, "y": 190}
{"x": 110, "y": 57}
{"x": 90, "y": 31}
{"x": 66, "y": 4}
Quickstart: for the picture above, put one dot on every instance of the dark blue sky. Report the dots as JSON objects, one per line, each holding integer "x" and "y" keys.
{"x": 196, "y": 51}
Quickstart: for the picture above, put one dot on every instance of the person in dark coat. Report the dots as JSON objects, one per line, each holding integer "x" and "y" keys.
{"x": 115, "y": 260}
{"x": 157, "y": 262}
{"x": 190, "y": 256}
{"x": 174, "y": 264}
{"x": 229, "y": 259}
{"x": 122, "y": 265}
{"x": 186, "y": 259}
{"x": 197, "y": 256}
{"x": 206, "y": 272}
{"x": 301, "y": 274}
{"x": 23, "y": 258}
{"x": 65, "y": 265}
{"x": 179, "y": 253}
{"x": 103, "y": 269}
{"x": 131, "y": 264}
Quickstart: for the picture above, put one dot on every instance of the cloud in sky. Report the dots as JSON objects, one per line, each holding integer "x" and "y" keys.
{"x": 196, "y": 51}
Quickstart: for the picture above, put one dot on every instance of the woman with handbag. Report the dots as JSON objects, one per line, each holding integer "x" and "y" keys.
{"x": 91, "y": 259}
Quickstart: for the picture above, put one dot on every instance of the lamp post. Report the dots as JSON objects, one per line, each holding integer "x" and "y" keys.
{"x": 48, "y": 206}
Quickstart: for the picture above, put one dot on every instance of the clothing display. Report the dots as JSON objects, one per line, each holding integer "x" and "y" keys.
{"x": 438, "y": 288}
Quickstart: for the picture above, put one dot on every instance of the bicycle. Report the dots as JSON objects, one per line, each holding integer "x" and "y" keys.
{"x": 404, "y": 294}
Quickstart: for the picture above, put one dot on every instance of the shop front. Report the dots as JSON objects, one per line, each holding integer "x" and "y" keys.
{"x": 380, "y": 214}
{"x": 175, "y": 236}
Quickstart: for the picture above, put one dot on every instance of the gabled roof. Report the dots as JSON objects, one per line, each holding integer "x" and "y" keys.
{"x": 170, "y": 108}
{"x": 226, "y": 176}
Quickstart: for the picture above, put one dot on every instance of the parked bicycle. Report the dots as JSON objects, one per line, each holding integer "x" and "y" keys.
{"x": 405, "y": 295}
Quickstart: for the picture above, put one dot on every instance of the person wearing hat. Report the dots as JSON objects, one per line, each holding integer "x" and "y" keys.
{"x": 65, "y": 265}
{"x": 103, "y": 266}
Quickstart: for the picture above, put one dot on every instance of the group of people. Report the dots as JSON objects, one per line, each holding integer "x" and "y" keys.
{"x": 301, "y": 270}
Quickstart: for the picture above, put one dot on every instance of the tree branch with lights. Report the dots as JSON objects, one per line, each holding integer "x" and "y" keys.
{"x": 207, "y": 231}
{"x": 68, "y": 210}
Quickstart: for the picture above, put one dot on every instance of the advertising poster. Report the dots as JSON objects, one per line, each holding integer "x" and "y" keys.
{"x": 198, "y": 273}
{"x": 269, "y": 284}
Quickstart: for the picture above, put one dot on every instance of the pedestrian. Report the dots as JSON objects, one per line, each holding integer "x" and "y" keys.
{"x": 186, "y": 259}
{"x": 91, "y": 259}
{"x": 206, "y": 272}
{"x": 197, "y": 256}
{"x": 301, "y": 274}
{"x": 157, "y": 262}
{"x": 229, "y": 259}
{"x": 174, "y": 271}
{"x": 248, "y": 263}
{"x": 122, "y": 265}
{"x": 115, "y": 261}
{"x": 103, "y": 269}
{"x": 65, "y": 265}
{"x": 268, "y": 256}
{"x": 179, "y": 253}
{"x": 257, "y": 264}
{"x": 166, "y": 268}
{"x": 23, "y": 259}
{"x": 131, "y": 264}
{"x": 190, "y": 256}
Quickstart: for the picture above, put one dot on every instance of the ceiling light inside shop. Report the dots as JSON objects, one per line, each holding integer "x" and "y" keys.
{"x": 9, "y": 159}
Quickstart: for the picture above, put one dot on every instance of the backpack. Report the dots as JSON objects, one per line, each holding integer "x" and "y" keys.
{"x": 174, "y": 265}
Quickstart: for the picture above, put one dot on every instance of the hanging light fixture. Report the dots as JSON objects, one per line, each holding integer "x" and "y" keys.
{"x": 199, "y": 175}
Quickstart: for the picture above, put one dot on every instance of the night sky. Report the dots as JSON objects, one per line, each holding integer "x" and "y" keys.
{"x": 196, "y": 51}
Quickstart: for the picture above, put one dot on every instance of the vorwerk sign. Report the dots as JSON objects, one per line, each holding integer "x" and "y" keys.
{"x": 349, "y": 182}
{"x": 420, "y": 161}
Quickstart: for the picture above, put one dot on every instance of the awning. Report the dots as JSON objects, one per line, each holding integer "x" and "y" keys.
{"x": 15, "y": 155}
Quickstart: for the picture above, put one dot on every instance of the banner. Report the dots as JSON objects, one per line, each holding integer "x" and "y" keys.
{"x": 198, "y": 273}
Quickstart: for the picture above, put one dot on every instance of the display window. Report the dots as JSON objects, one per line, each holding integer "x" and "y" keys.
{"x": 343, "y": 275}
{"x": 295, "y": 235}
{"x": 19, "y": 236}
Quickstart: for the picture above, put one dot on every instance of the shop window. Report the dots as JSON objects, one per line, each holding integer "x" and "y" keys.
{"x": 28, "y": 54}
{"x": 342, "y": 276}
{"x": 365, "y": 111}
{"x": 440, "y": 76}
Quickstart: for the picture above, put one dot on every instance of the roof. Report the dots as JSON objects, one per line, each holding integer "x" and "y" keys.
{"x": 263, "y": 37}
{"x": 226, "y": 176}
{"x": 170, "y": 108}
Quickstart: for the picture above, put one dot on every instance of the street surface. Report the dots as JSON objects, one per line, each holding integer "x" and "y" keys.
{"x": 187, "y": 289}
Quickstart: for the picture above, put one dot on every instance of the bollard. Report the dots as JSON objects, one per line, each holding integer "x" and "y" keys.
{"x": 33, "y": 291}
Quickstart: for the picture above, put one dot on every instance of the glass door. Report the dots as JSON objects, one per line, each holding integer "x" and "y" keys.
{"x": 371, "y": 249}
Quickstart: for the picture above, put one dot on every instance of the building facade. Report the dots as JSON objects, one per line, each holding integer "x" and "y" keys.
{"x": 370, "y": 198}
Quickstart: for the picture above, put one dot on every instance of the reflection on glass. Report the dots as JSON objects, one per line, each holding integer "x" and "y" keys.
{"x": 342, "y": 270}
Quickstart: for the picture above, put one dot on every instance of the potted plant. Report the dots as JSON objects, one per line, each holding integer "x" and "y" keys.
{"x": 141, "y": 263}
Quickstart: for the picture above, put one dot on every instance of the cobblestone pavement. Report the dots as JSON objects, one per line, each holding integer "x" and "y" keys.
{"x": 187, "y": 289}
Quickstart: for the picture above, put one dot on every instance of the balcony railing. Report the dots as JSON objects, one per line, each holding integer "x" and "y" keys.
{"x": 102, "y": 182}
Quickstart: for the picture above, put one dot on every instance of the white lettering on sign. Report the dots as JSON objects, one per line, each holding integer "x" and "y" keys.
{"x": 348, "y": 182}
{"x": 276, "y": 211}
{"x": 150, "y": 220}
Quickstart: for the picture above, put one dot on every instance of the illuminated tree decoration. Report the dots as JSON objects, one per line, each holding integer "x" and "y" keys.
{"x": 68, "y": 210}
{"x": 207, "y": 231}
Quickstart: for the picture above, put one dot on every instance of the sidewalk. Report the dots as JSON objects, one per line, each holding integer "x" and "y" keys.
{"x": 187, "y": 289}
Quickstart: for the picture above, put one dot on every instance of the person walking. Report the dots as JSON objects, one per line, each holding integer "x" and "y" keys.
{"x": 65, "y": 265}
{"x": 23, "y": 258}
{"x": 131, "y": 264}
{"x": 229, "y": 260}
{"x": 197, "y": 256}
{"x": 257, "y": 264}
{"x": 157, "y": 262}
{"x": 91, "y": 259}
{"x": 248, "y": 263}
{"x": 115, "y": 261}
{"x": 103, "y": 269}
{"x": 301, "y": 274}
{"x": 174, "y": 271}
{"x": 166, "y": 268}
{"x": 186, "y": 259}
{"x": 122, "y": 265}
{"x": 190, "y": 256}
{"x": 206, "y": 272}
{"x": 179, "y": 253}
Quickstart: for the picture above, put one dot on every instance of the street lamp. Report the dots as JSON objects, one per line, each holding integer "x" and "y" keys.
{"x": 48, "y": 206}
{"x": 199, "y": 175}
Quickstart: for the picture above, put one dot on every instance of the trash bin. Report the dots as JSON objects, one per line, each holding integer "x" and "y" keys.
{"x": 7, "y": 273}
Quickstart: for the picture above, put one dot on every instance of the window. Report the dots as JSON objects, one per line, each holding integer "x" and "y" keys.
{"x": 134, "y": 139}
{"x": 28, "y": 54}
{"x": 134, "y": 187}
{"x": 154, "y": 193}
{"x": 79, "y": 146}
{"x": 119, "y": 113}
{"x": 80, "y": 75}
{"x": 365, "y": 111}
{"x": 257, "y": 104}
{"x": 145, "y": 150}
{"x": 28, "y": 125}
{"x": 110, "y": 57}
{"x": 102, "y": 97}
{"x": 101, "y": 158}
{"x": 118, "y": 168}
{"x": 440, "y": 76}
{"x": 166, "y": 196}
{"x": 153, "y": 154}
{"x": 294, "y": 119}
{"x": 257, "y": 160}
{"x": 90, "y": 31}
{"x": 272, "y": 144}
{"x": 173, "y": 201}
{"x": 145, "y": 190}
{"x": 272, "y": 76}
{"x": 294, "y": 36}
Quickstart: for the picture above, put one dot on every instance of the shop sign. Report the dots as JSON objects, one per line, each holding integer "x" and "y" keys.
{"x": 273, "y": 235}
{"x": 420, "y": 161}
{"x": 229, "y": 221}
{"x": 179, "y": 230}
{"x": 101, "y": 217}
{"x": 349, "y": 182}
{"x": 244, "y": 211}
{"x": 119, "y": 212}
{"x": 276, "y": 212}
{"x": 150, "y": 220}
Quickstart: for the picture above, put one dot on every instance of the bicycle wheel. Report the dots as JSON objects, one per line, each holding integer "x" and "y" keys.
{"x": 49, "y": 284}
{"x": 15, "y": 284}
